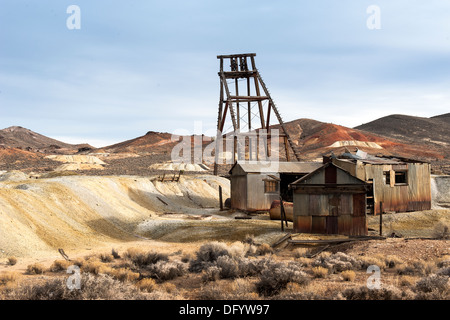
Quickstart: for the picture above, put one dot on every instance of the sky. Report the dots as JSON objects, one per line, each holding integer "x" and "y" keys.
{"x": 118, "y": 69}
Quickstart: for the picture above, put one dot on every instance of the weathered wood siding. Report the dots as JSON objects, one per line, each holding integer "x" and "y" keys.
{"x": 238, "y": 194}
{"x": 415, "y": 195}
{"x": 330, "y": 201}
{"x": 257, "y": 199}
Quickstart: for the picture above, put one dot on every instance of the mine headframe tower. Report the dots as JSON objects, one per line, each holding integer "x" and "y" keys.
{"x": 242, "y": 99}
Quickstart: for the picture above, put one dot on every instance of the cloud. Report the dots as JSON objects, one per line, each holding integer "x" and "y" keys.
{"x": 147, "y": 65}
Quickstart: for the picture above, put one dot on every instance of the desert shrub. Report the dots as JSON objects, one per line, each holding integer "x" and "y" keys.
{"x": 35, "y": 268}
{"x": 443, "y": 262}
{"x": 304, "y": 262}
{"x": 237, "y": 249}
{"x": 12, "y": 261}
{"x": 8, "y": 277}
{"x": 300, "y": 253}
{"x": 337, "y": 262}
{"x": 319, "y": 272}
{"x": 348, "y": 275}
{"x": 443, "y": 271}
{"x": 251, "y": 267}
{"x": 211, "y": 273}
{"x": 385, "y": 293}
{"x": 249, "y": 239}
{"x": 78, "y": 262}
{"x": 95, "y": 267}
{"x": 264, "y": 249}
{"x": 406, "y": 281}
{"x": 392, "y": 261}
{"x": 276, "y": 275}
{"x": 101, "y": 287}
{"x": 294, "y": 291}
{"x": 367, "y": 261}
{"x": 123, "y": 275}
{"x": 228, "y": 267}
{"x": 442, "y": 230}
{"x": 432, "y": 283}
{"x": 416, "y": 268}
{"x": 406, "y": 270}
{"x": 106, "y": 257}
{"x": 60, "y": 265}
{"x": 239, "y": 289}
{"x": 424, "y": 267}
{"x": 115, "y": 254}
{"x": 207, "y": 255}
{"x": 166, "y": 270}
{"x": 211, "y": 251}
{"x": 186, "y": 257}
{"x": 146, "y": 284}
{"x": 141, "y": 258}
{"x": 168, "y": 287}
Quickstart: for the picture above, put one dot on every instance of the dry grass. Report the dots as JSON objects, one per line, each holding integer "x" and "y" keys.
{"x": 60, "y": 265}
{"x": 106, "y": 257}
{"x": 95, "y": 267}
{"x": 407, "y": 281}
{"x": 123, "y": 275}
{"x": 146, "y": 285}
{"x": 319, "y": 272}
{"x": 8, "y": 278}
{"x": 12, "y": 261}
{"x": 141, "y": 258}
{"x": 348, "y": 275}
{"x": 35, "y": 268}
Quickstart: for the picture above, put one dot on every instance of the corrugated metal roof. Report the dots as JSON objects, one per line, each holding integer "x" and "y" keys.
{"x": 376, "y": 159}
{"x": 278, "y": 167}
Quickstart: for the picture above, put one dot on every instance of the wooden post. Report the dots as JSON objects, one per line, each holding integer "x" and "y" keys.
{"x": 220, "y": 198}
{"x": 283, "y": 217}
{"x": 381, "y": 218}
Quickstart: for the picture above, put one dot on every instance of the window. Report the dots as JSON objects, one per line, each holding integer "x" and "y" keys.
{"x": 400, "y": 178}
{"x": 270, "y": 186}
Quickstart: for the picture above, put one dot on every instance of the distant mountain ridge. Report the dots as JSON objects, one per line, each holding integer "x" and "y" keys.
{"x": 433, "y": 132}
{"x": 25, "y": 139}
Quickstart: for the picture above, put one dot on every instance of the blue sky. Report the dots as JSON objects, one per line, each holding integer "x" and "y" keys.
{"x": 136, "y": 66}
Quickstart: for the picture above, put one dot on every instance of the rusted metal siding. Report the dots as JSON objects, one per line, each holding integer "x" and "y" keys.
{"x": 330, "y": 201}
{"x": 415, "y": 195}
{"x": 330, "y": 213}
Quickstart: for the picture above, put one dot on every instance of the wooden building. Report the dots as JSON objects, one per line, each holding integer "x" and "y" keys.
{"x": 401, "y": 184}
{"x": 255, "y": 185}
{"x": 330, "y": 200}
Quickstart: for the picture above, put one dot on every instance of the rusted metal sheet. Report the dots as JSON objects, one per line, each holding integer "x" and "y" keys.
{"x": 303, "y": 224}
{"x": 346, "y": 204}
{"x": 345, "y": 224}
{"x": 301, "y": 204}
{"x": 359, "y": 226}
{"x": 318, "y": 224}
{"x": 318, "y": 205}
{"x": 332, "y": 225}
{"x": 359, "y": 204}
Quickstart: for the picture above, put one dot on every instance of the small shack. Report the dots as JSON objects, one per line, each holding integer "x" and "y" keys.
{"x": 255, "y": 185}
{"x": 330, "y": 200}
{"x": 401, "y": 184}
